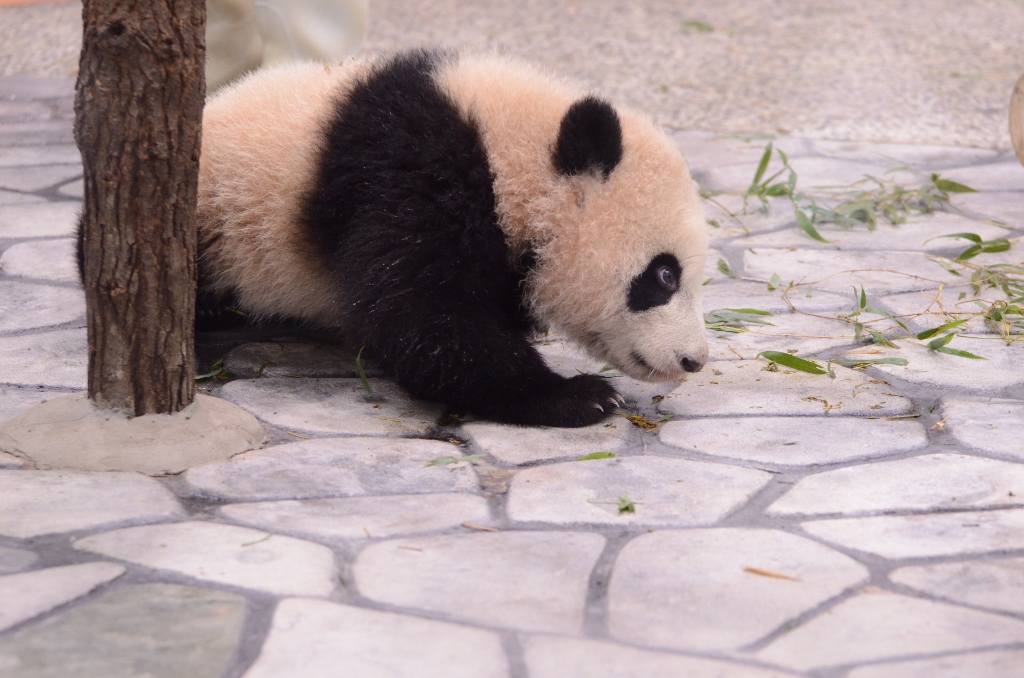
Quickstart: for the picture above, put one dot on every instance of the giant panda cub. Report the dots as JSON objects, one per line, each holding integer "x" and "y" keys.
{"x": 437, "y": 208}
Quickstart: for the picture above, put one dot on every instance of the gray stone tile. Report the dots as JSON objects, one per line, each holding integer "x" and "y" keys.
{"x": 42, "y": 259}
{"x": 989, "y": 424}
{"x": 806, "y": 334}
{"x": 878, "y": 625}
{"x": 13, "y": 198}
{"x": 153, "y": 630}
{"x": 16, "y": 399}
{"x": 926, "y": 309}
{"x": 838, "y": 271}
{"x": 51, "y": 359}
{"x": 30, "y": 594}
{"x": 33, "y": 88}
{"x": 334, "y": 467}
{"x": 10, "y": 461}
{"x": 25, "y": 306}
{"x": 363, "y": 517}
{"x": 38, "y": 177}
{"x": 73, "y": 189}
{"x": 996, "y": 584}
{"x": 1006, "y": 207}
{"x": 36, "y": 133}
{"x": 39, "y": 220}
{"x": 995, "y": 664}
{"x": 785, "y": 441}
{"x": 333, "y": 406}
{"x": 720, "y": 589}
{"x": 924, "y": 536}
{"x": 737, "y": 217}
{"x": 14, "y": 110}
{"x": 928, "y": 482}
{"x": 707, "y": 149}
{"x": 58, "y": 154}
{"x": 665, "y": 492}
{"x": 316, "y": 639}
{"x": 226, "y": 554}
{"x": 534, "y": 581}
{"x": 554, "y": 657}
{"x": 999, "y": 370}
{"x": 812, "y": 172}
{"x": 294, "y": 359}
{"x": 919, "y": 157}
{"x": 1007, "y": 175}
{"x": 711, "y": 269}
{"x": 524, "y": 445}
{"x": 15, "y": 560}
{"x": 742, "y": 294}
{"x": 745, "y": 387}
{"x": 919, "y": 233}
{"x": 34, "y": 503}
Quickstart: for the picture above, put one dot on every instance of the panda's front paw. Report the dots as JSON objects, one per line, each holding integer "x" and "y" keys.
{"x": 579, "y": 401}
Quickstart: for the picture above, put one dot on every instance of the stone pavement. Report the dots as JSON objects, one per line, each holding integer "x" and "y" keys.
{"x": 755, "y": 521}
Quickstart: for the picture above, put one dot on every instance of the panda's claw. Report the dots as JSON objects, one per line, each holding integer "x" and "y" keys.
{"x": 598, "y": 406}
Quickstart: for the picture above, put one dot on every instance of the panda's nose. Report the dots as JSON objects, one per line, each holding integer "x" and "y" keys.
{"x": 691, "y": 365}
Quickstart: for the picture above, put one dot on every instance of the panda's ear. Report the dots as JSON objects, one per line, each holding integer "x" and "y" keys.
{"x": 589, "y": 138}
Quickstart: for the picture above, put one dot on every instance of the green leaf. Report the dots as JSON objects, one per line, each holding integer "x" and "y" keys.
{"x": 723, "y": 266}
{"x": 787, "y": 360}
{"x": 973, "y": 237}
{"x": 807, "y": 226}
{"x": 776, "y": 190}
{"x": 946, "y": 265}
{"x": 942, "y": 328}
{"x": 362, "y": 372}
{"x": 774, "y": 282}
{"x": 699, "y": 26}
{"x": 950, "y": 186}
{"x": 863, "y": 298}
{"x": 878, "y": 311}
{"x": 761, "y": 167}
{"x": 445, "y": 461}
{"x": 854, "y": 362}
{"x": 626, "y": 504}
{"x": 751, "y": 311}
{"x": 958, "y": 352}
{"x": 596, "y": 455}
{"x": 880, "y": 338}
{"x": 936, "y": 344}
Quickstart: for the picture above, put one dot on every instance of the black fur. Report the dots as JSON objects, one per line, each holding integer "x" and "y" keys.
{"x": 649, "y": 289}
{"x": 589, "y": 138}
{"x": 404, "y": 210}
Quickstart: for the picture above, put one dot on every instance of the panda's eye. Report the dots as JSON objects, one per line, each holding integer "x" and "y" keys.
{"x": 656, "y": 285}
{"x": 667, "y": 278}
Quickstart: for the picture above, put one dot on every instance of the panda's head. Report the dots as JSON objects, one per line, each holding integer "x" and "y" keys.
{"x": 621, "y": 267}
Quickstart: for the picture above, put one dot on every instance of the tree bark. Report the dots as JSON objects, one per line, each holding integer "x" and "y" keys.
{"x": 138, "y": 123}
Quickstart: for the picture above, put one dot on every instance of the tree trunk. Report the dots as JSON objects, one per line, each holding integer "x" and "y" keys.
{"x": 138, "y": 122}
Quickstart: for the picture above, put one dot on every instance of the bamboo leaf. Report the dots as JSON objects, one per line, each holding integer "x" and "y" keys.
{"x": 942, "y": 328}
{"x": 880, "y": 338}
{"x": 854, "y": 362}
{"x": 958, "y": 352}
{"x": 807, "y": 226}
{"x": 950, "y": 186}
{"x": 936, "y": 344}
{"x": 761, "y": 167}
{"x": 596, "y": 455}
{"x": 787, "y": 360}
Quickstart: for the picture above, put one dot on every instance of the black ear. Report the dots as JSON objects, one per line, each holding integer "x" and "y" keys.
{"x": 589, "y": 138}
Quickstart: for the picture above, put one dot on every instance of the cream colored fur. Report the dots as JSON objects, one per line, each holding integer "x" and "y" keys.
{"x": 592, "y": 236}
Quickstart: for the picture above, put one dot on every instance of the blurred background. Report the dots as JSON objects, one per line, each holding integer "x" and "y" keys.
{"x": 922, "y": 71}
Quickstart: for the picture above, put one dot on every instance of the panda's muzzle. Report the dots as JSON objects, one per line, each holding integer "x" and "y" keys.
{"x": 691, "y": 365}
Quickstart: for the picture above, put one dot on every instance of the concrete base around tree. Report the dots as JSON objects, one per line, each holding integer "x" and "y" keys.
{"x": 69, "y": 432}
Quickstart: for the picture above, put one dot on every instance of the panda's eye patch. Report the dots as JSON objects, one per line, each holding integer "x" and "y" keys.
{"x": 656, "y": 285}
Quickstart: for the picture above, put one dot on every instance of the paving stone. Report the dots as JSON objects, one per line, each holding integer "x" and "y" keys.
{"x": 927, "y": 309}
{"x": 997, "y": 176}
{"x": 363, "y": 517}
{"x": 16, "y": 399}
{"x": 805, "y": 334}
{"x": 812, "y": 172}
{"x": 711, "y": 268}
{"x": 316, "y": 639}
{"x": 522, "y": 445}
{"x": 785, "y": 441}
{"x": 334, "y": 467}
{"x": 741, "y": 294}
{"x": 918, "y": 234}
{"x": 996, "y": 584}
{"x": 877, "y": 272}
{"x": 25, "y": 306}
{"x": 666, "y": 492}
{"x": 1007, "y": 207}
{"x": 13, "y": 198}
{"x": 33, "y": 503}
{"x": 57, "y": 359}
{"x": 534, "y": 581}
{"x": 38, "y": 177}
{"x": 15, "y": 560}
{"x": 736, "y": 217}
{"x": 999, "y": 370}
{"x": 58, "y": 154}
{"x": 927, "y": 535}
{"x": 997, "y": 664}
{"x": 73, "y": 189}
{"x": 152, "y": 630}
{"x": 226, "y": 554}
{"x": 720, "y": 589}
{"x": 918, "y": 157}
{"x": 334, "y": 406}
{"x": 29, "y": 594}
{"x": 989, "y": 424}
{"x": 553, "y": 657}
{"x": 294, "y": 359}
{"x": 39, "y": 220}
{"x": 42, "y": 260}
{"x": 928, "y": 482}
{"x": 708, "y": 149}
{"x": 34, "y": 133}
{"x": 19, "y": 110}
{"x": 10, "y": 461}
{"x": 744, "y": 387}
{"x": 877, "y": 625}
